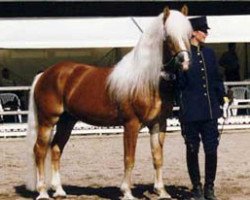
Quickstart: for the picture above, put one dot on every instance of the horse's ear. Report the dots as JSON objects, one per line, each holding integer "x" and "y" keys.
{"x": 166, "y": 13}
{"x": 184, "y": 10}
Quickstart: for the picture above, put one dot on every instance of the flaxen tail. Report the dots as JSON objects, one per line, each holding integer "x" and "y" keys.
{"x": 31, "y": 139}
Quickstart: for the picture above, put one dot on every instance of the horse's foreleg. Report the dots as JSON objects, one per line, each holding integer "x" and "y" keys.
{"x": 130, "y": 138}
{"x": 157, "y": 141}
{"x": 63, "y": 131}
{"x": 40, "y": 151}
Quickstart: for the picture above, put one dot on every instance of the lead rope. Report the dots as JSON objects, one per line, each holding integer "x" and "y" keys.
{"x": 224, "y": 120}
{"x": 221, "y": 130}
{"x": 138, "y": 26}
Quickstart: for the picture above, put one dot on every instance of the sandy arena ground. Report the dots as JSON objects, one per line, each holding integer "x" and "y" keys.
{"x": 92, "y": 167}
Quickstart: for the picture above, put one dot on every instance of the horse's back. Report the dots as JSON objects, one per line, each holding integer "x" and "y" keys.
{"x": 78, "y": 89}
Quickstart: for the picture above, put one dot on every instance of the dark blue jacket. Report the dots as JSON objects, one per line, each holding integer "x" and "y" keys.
{"x": 201, "y": 89}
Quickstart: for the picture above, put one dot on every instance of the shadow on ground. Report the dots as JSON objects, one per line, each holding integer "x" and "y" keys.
{"x": 140, "y": 191}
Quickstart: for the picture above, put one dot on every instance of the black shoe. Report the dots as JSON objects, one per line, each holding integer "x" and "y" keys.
{"x": 209, "y": 193}
{"x": 197, "y": 193}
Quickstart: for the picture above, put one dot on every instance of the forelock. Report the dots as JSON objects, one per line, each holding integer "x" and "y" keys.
{"x": 178, "y": 27}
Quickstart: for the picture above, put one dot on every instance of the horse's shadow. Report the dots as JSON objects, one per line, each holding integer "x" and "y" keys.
{"x": 140, "y": 191}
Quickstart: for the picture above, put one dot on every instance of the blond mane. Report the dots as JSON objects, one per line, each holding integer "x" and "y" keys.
{"x": 138, "y": 73}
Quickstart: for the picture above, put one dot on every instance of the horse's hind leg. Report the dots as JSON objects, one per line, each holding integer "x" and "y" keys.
{"x": 157, "y": 136}
{"x": 63, "y": 131}
{"x": 40, "y": 151}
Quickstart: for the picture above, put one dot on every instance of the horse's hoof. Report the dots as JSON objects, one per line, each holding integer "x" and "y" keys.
{"x": 162, "y": 194}
{"x": 164, "y": 198}
{"x": 60, "y": 194}
{"x": 43, "y": 196}
{"x": 128, "y": 197}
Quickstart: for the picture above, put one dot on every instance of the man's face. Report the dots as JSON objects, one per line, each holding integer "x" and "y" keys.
{"x": 200, "y": 36}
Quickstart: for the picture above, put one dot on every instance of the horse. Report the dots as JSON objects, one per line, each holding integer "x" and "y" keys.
{"x": 127, "y": 94}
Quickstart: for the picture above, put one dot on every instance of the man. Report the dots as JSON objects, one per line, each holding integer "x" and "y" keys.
{"x": 201, "y": 93}
{"x": 6, "y": 81}
{"x": 230, "y": 62}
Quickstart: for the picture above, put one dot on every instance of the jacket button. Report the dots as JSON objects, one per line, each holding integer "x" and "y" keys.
{"x": 205, "y": 94}
{"x": 203, "y": 77}
{"x": 200, "y": 61}
{"x": 202, "y": 69}
{"x": 204, "y": 86}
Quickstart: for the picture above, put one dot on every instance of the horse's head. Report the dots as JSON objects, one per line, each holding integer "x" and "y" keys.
{"x": 177, "y": 34}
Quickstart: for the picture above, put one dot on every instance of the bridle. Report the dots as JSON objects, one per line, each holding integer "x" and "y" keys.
{"x": 169, "y": 68}
{"x": 171, "y": 62}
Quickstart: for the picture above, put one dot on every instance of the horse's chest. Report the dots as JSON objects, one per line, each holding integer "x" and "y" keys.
{"x": 154, "y": 110}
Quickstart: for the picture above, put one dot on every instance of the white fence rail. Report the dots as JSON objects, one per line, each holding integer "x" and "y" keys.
{"x": 20, "y": 129}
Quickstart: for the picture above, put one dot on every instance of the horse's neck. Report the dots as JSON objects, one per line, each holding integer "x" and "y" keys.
{"x": 148, "y": 52}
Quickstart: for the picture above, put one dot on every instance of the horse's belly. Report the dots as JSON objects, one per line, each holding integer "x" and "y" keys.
{"x": 96, "y": 115}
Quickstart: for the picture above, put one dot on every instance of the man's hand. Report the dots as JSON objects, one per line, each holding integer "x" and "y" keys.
{"x": 226, "y": 99}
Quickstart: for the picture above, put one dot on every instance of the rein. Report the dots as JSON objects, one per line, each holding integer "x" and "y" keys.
{"x": 224, "y": 122}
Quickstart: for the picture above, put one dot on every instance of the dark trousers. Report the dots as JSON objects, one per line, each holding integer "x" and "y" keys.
{"x": 193, "y": 133}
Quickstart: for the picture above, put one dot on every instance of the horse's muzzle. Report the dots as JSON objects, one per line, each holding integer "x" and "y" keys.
{"x": 184, "y": 60}
{"x": 185, "y": 65}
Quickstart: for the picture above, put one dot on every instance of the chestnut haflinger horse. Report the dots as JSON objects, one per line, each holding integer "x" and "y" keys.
{"x": 127, "y": 94}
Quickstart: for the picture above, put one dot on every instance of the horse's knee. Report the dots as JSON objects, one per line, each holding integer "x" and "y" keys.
{"x": 157, "y": 154}
{"x": 161, "y": 138}
{"x": 157, "y": 141}
{"x": 157, "y": 158}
